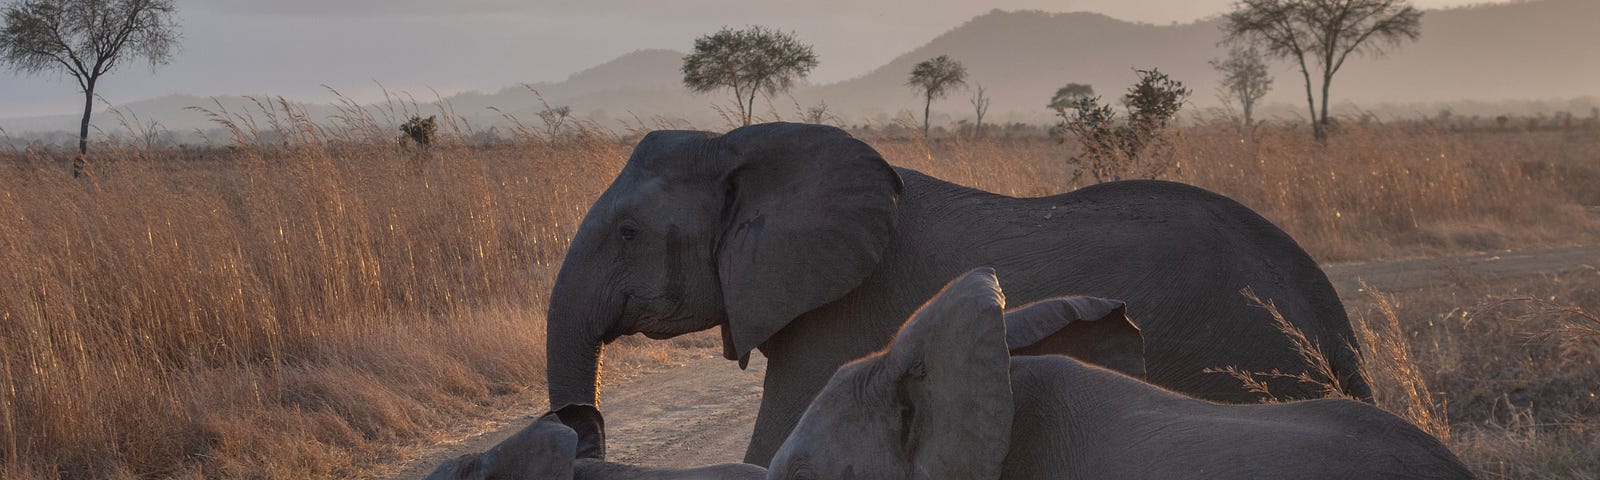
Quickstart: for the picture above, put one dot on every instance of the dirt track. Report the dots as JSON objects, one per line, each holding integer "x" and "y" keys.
{"x": 702, "y": 411}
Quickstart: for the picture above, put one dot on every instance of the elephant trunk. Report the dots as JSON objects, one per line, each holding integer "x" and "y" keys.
{"x": 574, "y": 368}
{"x": 576, "y": 327}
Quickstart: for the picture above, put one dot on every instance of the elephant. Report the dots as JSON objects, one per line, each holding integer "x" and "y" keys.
{"x": 802, "y": 242}
{"x": 548, "y": 449}
{"x": 946, "y": 400}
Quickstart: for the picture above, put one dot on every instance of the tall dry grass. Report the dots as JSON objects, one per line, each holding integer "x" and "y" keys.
{"x": 289, "y": 308}
{"x": 1374, "y": 191}
{"x": 315, "y": 298}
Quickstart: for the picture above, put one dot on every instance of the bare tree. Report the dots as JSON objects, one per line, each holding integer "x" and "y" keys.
{"x": 1321, "y": 35}
{"x": 1244, "y": 80}
{"x": 817, "y": 113}
{"x": 747, "y": 61}
{"x": 934, "y": 78}
{"x": 87, "y": 39}
{"x": 554, "y": 119}
{"x": 980, "y": 105}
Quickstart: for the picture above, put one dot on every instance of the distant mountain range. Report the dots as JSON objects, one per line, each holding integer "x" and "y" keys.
{"x": 1545, "y": 50}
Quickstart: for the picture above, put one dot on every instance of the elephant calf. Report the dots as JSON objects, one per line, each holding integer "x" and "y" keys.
{"x": 551, "y": 450}
{"x": 946, "y": 401}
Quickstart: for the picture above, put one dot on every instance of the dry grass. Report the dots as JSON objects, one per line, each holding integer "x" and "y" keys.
{"x": 316, "y": 299}
{"x": 1516, "y": 379}
{"x": 286, "y": 309}
{"x": 1374, "y": 192}
{"x": 1509, "y": 384}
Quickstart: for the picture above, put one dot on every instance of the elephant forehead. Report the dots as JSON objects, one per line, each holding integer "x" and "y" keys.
{"x": 674, "y": 155}
{"x": 656, "y": 194}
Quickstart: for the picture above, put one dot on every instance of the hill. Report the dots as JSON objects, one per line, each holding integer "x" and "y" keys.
{"x": 1486, "y": 58}
{"x": 1531, "y": 50}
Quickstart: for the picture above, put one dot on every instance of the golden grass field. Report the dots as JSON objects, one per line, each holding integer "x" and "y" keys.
{"x": 317, "y": 300}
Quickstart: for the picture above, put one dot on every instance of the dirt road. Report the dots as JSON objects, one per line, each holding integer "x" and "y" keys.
{"x": 702, "y": 411}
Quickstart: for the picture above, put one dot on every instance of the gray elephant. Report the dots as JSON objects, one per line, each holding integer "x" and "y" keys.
{"x": 801, "y": 241}
{"x": 550, "y": 450}
{"x": 946, "y": 400}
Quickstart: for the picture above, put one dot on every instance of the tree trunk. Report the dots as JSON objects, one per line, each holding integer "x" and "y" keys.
{"x": 1249, "y": 125}
{"x": 80, "y": 164}
{"x": 750, "y": 113}
{"x": 1311, "y": 104}
{"x": 925, "y": 109}
{"x": 1327, "y": 80}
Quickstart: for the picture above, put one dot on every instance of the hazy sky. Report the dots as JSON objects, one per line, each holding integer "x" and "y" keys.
{"x": 291, "y": 47}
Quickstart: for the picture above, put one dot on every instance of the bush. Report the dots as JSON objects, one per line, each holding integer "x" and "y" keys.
{"x": 420, "y": 130}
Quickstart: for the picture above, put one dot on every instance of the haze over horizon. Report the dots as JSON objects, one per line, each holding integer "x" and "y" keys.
{"x": 293, "y": 47}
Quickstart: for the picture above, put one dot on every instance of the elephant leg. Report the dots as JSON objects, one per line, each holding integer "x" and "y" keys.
{"x": 787, "y": 390}
{"x": 800, "y": 360}
{"x": 773, "y": 423}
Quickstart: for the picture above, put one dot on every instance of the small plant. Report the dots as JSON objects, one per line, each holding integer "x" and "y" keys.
{"x": 420, "y": 130}
{"x": 1131, "y": 149}
{"x": 818, "y": 113}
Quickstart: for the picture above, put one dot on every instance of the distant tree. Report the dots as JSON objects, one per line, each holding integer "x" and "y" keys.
{"x": 554, "y": 119}
{"x": 1244, "y": 80}
{"x": 420, "y": 130}
{"x": 1112, "y": 150}
{"x": 87, "y": 39}
{"x": 1321, "y": 34}
{"x": 934, "y": 78}
{"x": 817, "y": 113}
{"x": 980, "y": 105}
{"x": 747, "y": 61}
{"x": 1068, "y": 96}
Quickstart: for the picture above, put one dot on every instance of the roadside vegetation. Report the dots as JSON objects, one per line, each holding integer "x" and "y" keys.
{"x": 319, "y": 299}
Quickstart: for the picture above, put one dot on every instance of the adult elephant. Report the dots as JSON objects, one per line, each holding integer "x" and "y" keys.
{"x": 801, "y": 241}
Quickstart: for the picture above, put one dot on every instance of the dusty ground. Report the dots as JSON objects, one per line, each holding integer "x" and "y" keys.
{"x": 701, "y": 412}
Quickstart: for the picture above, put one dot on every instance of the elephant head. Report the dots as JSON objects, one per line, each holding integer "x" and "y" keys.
{"x": 545, "y": 450}
{"x": 746, "y": 231}
{"x": 936, "y": 404}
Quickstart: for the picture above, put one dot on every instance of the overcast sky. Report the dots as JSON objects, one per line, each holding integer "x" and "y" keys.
{"x": 292, "y": 47}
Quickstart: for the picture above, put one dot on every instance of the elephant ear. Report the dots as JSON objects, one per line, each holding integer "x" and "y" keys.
{"x": 1095, "y": 330}
{"x": 808, "y": 214}
{"x": 955, "y": 381}
{"x": 590, "y": 426}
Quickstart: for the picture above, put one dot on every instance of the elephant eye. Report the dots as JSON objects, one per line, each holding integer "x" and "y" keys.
{"x": 629, "y": 232}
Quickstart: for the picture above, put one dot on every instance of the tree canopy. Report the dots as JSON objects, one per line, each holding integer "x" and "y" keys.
{"x": 1069, "y": 95}
{"x": 747, "y": 61}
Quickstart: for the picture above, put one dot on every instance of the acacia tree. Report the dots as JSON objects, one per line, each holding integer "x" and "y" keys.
{"x": 1321, "y": 35}
{"x": 1068, "y": 96}
{"x": 747, "y": 61}
{"x": 1244, "y": 80}
{"x": 87, "y": 39}
{"x": 935, "y": 78}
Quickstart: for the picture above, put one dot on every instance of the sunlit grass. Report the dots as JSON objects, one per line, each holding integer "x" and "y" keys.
{"x": 315, "y": 298}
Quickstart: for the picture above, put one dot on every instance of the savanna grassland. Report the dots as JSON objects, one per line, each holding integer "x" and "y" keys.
{"x": 315, "y": 299}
